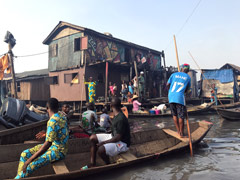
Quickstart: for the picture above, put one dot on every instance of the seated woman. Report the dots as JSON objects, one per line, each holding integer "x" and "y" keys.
{"x": 105, "y": 121}
{"x": 54, "y": 148}
{"x": 136, "y": 105}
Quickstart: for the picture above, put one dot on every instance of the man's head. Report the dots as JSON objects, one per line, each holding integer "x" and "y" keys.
{"x": 104, "y": 110}
{"x": 185, "y": 68}
{"x": 52, "y": 105}
{"x": 90, "y": 106}
{"x": 141, "y": 73}
{"x": 65, "y": 107}
{"x": 116, "y": 103}
{"x": 90, "y": 79}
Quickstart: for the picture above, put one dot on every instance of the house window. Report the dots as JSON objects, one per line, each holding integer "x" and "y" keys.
{"x": 18, "y": 86}
{"x": 51, "y": 80}
{"x": 72, "y": 78}
{"x": 77, "y": 42}
{"x": 127, "y": 55}
{"x": 54, "y": 50}
{"x": 55, "y": 79}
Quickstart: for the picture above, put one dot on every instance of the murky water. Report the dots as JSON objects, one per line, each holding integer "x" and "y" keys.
{"x": 216, "y": 157}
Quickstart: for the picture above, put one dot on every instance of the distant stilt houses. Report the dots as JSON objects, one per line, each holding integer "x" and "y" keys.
{"x": 31, "y": 86}
{"x": 226, "y": 80}
{"x": 75, "y": 51}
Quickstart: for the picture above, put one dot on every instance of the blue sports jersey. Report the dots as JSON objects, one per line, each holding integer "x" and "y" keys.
{"x": 178, "y": 81}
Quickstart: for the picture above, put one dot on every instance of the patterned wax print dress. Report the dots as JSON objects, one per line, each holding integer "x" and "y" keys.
{"x": 91, "y": 91}
{"x": 57, "y": 133}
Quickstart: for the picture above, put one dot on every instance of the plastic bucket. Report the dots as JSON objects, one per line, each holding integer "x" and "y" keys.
{"x": 157, "y": 112}
{"x": 151, "y": 111}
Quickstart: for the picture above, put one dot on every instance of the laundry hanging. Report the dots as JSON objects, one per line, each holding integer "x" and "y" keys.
{"x": 4, "y": 64}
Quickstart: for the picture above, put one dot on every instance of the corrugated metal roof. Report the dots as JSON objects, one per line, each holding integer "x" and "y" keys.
{"x": 227, "y": 65}
{"x": 28, "y": 74}
{"x": 62, "y": 24}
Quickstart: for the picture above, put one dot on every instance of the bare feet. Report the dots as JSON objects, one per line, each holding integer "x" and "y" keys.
{"x": 182, "y": 135}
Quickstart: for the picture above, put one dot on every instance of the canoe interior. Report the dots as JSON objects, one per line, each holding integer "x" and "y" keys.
{"x": 22, "y": 133}
{"x": 145, "y": 145}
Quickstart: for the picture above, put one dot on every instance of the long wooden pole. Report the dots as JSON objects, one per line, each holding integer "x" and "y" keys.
{"x": 209, "y": 84}
{"x": 136, "y": 72}
{"x": 83, "y": 84}
{"x": 12, "y": 71}
{"x": 176, "y": 53}
{"x": 106, "y": 83}
{"x": 188, "y": 126}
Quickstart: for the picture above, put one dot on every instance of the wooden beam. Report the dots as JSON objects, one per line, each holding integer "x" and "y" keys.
{"x": 128, "y": 156}
{"x": 175, "y": 134}
{"x": 12, "y": 71}
{"x": 60, "y": 167}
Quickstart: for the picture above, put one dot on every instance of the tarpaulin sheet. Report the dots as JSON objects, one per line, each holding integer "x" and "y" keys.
{"x": 223, "y": 75}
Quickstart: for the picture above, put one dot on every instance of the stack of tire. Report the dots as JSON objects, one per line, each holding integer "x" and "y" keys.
{"x": 14, "y": 112}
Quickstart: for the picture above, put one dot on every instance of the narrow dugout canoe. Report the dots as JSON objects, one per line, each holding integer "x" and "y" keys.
{"x": 230, "y": 114}
{"x": 146, "y": 145}
{"x": 22, "y": 133}
{"x": 226, "y": 106}
{"x": 191, "y": 110}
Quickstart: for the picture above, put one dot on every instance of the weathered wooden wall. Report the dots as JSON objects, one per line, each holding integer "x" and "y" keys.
{"x": 66, "y": 91}
{"x": 192, "y": 74}
{"x": 25, "y": 92}
{"x": 40, "y": 90}
{"x": 224, "y": 90}
{"x": 66, "y": 57}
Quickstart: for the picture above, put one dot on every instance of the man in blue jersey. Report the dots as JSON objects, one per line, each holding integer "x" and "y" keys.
{"x": 178, "y": 84}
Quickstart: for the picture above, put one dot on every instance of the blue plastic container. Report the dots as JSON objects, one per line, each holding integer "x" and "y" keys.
{"x": 151, "y": 111}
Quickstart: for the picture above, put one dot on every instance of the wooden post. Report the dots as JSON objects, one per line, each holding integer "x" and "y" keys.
{"x": 12, "y": 71}
{"x": 188, "y": 126}
{"x": 163, "y": 56}
{"x": 145, "y": 84}
{"x": 136, "y": 72}
{"x": 130, "y": 74}
{"x": 83, "y": 85}
{"x": 106, "y": 83}
{"x": 176, "y": 53}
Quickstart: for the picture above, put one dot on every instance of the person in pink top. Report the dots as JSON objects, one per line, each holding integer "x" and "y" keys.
{"x": 136, "y": 104}
{"x": 111, "y": 93}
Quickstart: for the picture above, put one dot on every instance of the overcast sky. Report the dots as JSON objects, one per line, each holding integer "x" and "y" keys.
{"x": 211, "y": 34}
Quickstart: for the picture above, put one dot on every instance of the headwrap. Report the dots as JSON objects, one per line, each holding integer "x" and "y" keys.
{"x": 185, "y": 66}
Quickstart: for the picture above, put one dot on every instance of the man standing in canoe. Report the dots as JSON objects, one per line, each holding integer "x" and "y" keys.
{"x": 178, "y": 84}
{"x": 54, "y": 148}
{"x": 111, "y": 144}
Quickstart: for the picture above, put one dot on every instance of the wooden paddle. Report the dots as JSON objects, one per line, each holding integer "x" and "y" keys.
{"x": 188, "y": 127}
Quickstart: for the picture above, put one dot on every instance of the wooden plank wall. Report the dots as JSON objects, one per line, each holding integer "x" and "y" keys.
{"x": 24, "y": 94}
{"x": 40, "y": 91}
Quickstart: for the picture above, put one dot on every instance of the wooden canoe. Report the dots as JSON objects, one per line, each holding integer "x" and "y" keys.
{"x": 226, "y": 106}
{"x": 191, "y": 110}
{"x": 22, "y": 133}
{"x": 230, "y": 114}
{"x": 146, "y": 145}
